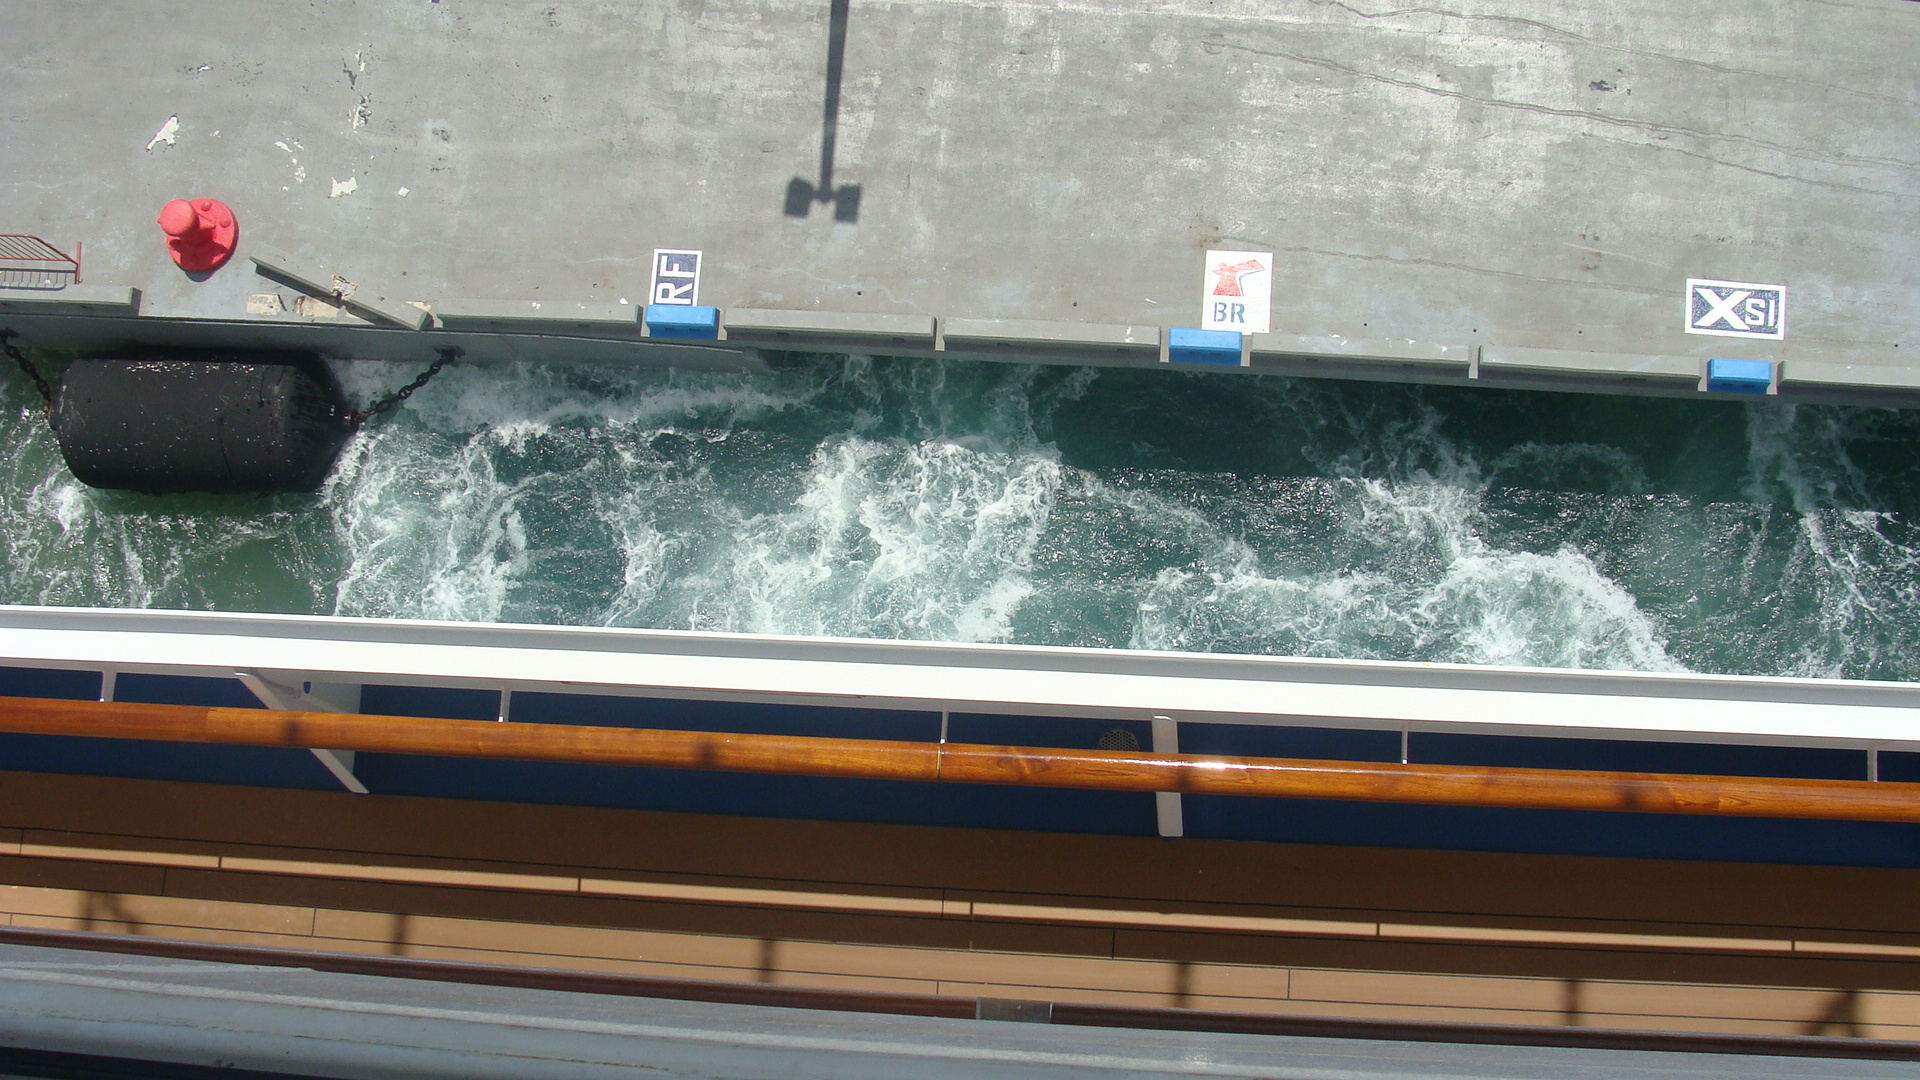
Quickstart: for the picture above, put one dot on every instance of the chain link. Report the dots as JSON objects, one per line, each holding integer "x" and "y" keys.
{"x": 26, "y": 365}
{"x": 388, "y": 403}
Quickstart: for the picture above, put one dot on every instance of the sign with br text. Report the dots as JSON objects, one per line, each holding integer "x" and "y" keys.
{"x": 1236, "y": 291}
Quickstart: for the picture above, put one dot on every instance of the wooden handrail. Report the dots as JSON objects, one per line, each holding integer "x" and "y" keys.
{"x": 1105, "y": 770}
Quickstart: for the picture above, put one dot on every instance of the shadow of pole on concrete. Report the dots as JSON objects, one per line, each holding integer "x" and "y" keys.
{"x": 802, "y": 194}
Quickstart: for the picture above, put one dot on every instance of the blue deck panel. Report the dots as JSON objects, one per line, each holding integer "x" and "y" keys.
{"x": 756, "y": 718}
{"x": 1900, "y": 768}
{"x": 1333, "y": 744}
{"x": 697, "y": 791}
{"x": 139, "y": 759}
{"x": 1561, "y": 832}
{"x": 1554, "y": 832}
{"x": 1607, "y": 755}
{"x": 448, "y": 703}
{"x": 50, "y": 683}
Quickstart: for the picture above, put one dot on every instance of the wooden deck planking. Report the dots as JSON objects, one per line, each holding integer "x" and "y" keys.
{"x": 720, "y": 898}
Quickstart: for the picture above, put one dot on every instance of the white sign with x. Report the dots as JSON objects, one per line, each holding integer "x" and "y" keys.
{"x": 1736, "y": 309}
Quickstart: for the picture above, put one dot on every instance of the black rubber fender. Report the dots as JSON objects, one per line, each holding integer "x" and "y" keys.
{"x": 218, "y": 422}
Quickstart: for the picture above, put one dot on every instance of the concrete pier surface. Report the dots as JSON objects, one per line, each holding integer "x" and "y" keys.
{"x": 1517, "y": 193}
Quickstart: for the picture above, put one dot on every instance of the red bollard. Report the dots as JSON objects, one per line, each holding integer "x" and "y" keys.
{"x": 200, "y": 233}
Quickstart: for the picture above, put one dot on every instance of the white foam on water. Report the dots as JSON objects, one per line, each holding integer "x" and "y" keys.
{"x": 1411, "y": 575}
{"x": 432, "y": 535}
{"x": 926, "y": 531}
{"x": 924, "y": 500}
{"x": 431, "y": 527}
{"x": 1857, "y": 566}
{"x": 647, "y": 557}
{"x": 1427, "y": 586}
{"x": 52, "y": 564}
{"x": 888, "y": 538}
{"x": 68, "y": 544}
{"x": 1558, "y": 610}
{"x": 921, "y": 518}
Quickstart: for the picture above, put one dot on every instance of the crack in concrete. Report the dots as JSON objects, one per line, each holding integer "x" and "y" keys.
{"x": 1575, "y": 114}
{"x": 1757, "y": 171}
{"x": 1583, "y": 283}
{"x": 1650, "y": 54}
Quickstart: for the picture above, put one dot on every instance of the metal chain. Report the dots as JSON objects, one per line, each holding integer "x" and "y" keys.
{"x": 26, "y": 365}
{"x": 387, "y": 404}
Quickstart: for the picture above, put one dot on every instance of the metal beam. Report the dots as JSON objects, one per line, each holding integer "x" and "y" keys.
{"x": 312, "y": 697}
{"x": 1168, "y": 814}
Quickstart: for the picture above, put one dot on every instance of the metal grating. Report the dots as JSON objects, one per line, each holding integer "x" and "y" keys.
{"x": 28, "y": 262}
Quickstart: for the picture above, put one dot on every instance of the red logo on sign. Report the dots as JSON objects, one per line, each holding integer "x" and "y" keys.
{"x": 1227, "y": 278}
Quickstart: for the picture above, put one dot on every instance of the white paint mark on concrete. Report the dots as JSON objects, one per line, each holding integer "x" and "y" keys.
{"x": 313, "y": 307}
{"x": 344, "y": 187}
{"x": 299, "y": 170}
{"x": 169, "y": 133}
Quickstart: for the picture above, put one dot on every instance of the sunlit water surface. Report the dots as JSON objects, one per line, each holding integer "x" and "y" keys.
{"x": 870, "y": 497}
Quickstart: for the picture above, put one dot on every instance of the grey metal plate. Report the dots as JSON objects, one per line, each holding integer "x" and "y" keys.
{"x": 360, "y": 1026}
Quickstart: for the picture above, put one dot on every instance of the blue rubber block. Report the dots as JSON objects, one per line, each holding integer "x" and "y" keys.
{"x": 1740, "y": 376}
{"x": 677, "y": 321}
{"x": 1218, "y": 347}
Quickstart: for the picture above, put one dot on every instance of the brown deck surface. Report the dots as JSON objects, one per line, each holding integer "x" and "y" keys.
{"x": 1308, "y": 931}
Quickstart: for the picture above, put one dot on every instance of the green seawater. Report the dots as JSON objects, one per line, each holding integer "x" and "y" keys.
{"x": 886, "y": 498}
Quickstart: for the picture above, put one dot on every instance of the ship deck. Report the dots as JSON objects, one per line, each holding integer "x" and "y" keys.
{"x": 1500, "y": 193}
{"x": 1496, "y": 194}
{"x": 1269, "y": 932}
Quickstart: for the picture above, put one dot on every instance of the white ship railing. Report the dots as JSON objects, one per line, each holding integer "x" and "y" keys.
{"x": 952, "y": 677}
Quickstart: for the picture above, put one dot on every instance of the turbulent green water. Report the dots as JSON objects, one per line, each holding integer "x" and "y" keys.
{"x": 988, "y": 502}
